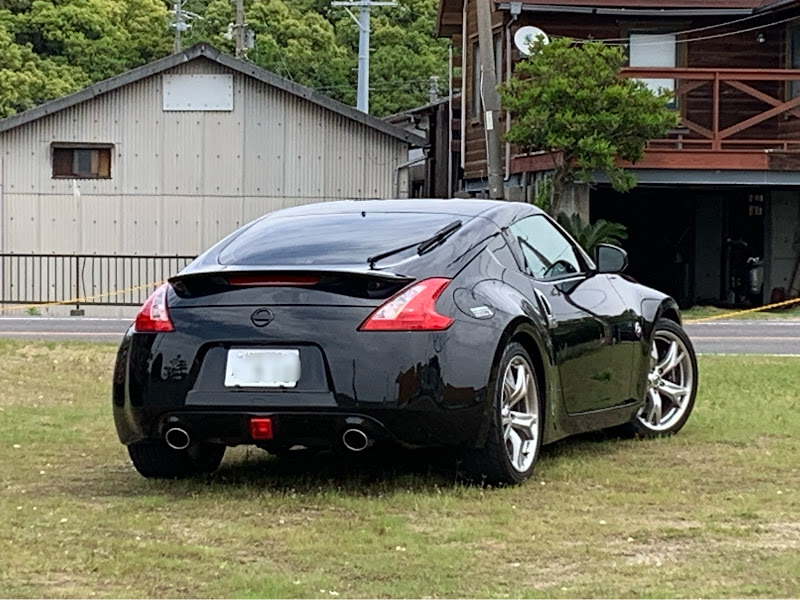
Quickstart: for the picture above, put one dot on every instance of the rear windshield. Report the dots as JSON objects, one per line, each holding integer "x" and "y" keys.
{"x": 333, "y": 239}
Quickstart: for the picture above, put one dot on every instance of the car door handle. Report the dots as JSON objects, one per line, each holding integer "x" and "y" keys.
{"x": 547, "y": 309}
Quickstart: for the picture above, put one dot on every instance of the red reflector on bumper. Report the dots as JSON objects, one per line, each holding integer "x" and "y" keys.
{"x": 261, "y": 428}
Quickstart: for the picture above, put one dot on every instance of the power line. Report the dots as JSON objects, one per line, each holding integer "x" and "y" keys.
{"x": 389, "y": 85}
{"x": 680, "y": 32}
{"x": 697, "y": 39}
{"x": 281, "y": 55}
{"x": 365, "y": 8}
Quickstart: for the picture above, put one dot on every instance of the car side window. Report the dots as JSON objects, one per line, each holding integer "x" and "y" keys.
{"x": 548, "y": 254}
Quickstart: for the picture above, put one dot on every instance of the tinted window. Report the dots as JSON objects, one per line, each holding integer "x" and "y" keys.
{"x": 332, "y": 239}
{"x": 548, "y": 253}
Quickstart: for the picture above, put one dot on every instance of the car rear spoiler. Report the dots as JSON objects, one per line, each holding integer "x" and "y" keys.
{"x": 225, "y": 270}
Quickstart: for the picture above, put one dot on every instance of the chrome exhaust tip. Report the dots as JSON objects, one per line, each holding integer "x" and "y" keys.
{"x": 356, "y": 440}
{"x": 177, "y": 438}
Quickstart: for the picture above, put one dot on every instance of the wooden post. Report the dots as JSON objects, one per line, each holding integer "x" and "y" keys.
{"x": 716, "y": 143}
{"x": 491, "y": 99}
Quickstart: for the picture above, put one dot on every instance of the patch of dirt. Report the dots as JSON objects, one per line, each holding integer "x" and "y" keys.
{"x": 778, "y": 536}
{"x": 550, "y": 574}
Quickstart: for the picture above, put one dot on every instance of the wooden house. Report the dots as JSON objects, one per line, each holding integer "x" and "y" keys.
{"x": 722, "y": 191}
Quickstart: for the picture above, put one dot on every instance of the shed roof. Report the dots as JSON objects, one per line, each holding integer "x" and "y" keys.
{"x": 207, "y": 51}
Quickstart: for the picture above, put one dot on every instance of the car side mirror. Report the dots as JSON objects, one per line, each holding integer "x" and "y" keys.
{"x": 610, "y": 259}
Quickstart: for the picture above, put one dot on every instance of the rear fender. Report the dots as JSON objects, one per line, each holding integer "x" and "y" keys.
{"x": 520, "y": 320}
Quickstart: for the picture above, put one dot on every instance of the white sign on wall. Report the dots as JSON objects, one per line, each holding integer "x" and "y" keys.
{"x": 198, "y": 92}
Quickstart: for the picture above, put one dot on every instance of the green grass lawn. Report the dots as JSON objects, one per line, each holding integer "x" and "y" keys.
{"x": 712, "y": 512}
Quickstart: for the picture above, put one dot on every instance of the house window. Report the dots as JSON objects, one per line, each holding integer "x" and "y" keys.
{"x": 794, "y": 59}
{"x": 654, "y": 50}
{"x": 476, "y": 81}
{"x": 498, "y": 57}
{"x": 497, "y": 41}
{"x": 81, "y": 161}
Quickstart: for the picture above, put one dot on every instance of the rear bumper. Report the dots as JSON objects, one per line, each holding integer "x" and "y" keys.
{"x": 307, "y": 427}
{"x": 415, "y": 389}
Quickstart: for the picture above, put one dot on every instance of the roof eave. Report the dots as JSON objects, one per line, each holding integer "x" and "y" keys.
{"x": 211, "y": 53}
{"x": 444, "y": 28}
{"x": 634, "y": 12}
{"x": 96, "y": 89}
{"x": 776, "y": 5}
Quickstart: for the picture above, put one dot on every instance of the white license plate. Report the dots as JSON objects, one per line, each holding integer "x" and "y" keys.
{"x": 248, "y": 367}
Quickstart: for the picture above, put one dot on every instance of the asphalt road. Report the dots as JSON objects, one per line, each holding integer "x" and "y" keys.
{"x": 64, "y": 328}
{"x": 756, "y": 336}
{"x": 714, "y": 337}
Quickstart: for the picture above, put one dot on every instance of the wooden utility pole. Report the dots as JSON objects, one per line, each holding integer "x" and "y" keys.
{"x": 239, "y": 29}
{"x": 490, "y": 99}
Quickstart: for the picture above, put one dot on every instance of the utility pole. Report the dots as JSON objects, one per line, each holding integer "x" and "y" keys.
{"x": 433, "y": 88}
{"x": 179, "y": 26}
{"x": 365, "y": 8}
{"x": 239, "y": 31}
{"x": 491, "y": 99}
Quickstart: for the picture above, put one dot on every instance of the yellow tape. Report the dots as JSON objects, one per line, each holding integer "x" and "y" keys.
{"x": 154, "y": 284}
{"x": 83, "y": 299}
{"x": 736, "y": 313}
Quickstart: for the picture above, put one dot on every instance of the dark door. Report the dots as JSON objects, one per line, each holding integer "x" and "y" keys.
{"x": 592, "y": 331}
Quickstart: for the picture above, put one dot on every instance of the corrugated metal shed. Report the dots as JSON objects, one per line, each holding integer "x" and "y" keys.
{"x": 181, "y": 180}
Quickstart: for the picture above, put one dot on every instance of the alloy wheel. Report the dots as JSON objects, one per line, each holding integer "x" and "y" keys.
{"x": 669, "y": 383}
{"x": 519, "y": 411}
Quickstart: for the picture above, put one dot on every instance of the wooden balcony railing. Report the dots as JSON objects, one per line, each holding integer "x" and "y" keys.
{"x": 735, "y": 110}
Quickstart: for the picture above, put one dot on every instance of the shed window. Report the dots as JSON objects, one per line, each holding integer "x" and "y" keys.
{"x": 81, "y": 162}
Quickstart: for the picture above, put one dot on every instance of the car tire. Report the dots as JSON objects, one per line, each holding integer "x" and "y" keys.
{"x": 671, "y": 383}
{"x": 159, "y": 461}
{"x": 514, "y": 437}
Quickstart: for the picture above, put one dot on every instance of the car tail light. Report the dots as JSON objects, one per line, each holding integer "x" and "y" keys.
{"x": 153, "y": 317}
{"x": 272, "y": 280}
{"x": 261, "y": 428}
{"x": 413, "y": 309}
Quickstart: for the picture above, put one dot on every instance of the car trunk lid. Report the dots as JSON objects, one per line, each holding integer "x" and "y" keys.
{"x": 278, "y": 285}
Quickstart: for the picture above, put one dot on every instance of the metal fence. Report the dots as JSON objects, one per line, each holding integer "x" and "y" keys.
{"x": 84, "y": 279}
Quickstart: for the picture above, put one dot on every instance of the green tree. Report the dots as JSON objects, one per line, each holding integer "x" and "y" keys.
{"x": 212, "y": 26}
{"x": 26, "y": 79}
{"x": 405, "y": 56}
{"x": 101, "y": 37}
{"x": 572, "y": 99}
{"x": 49, "y": 48}
{"x": 299, "y": 44}
{"x": 316, "y": 45}
{"x": 53, "y": 47}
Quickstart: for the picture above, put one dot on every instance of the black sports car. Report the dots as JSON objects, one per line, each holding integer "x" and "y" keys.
{"x": 466, "y": 323}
